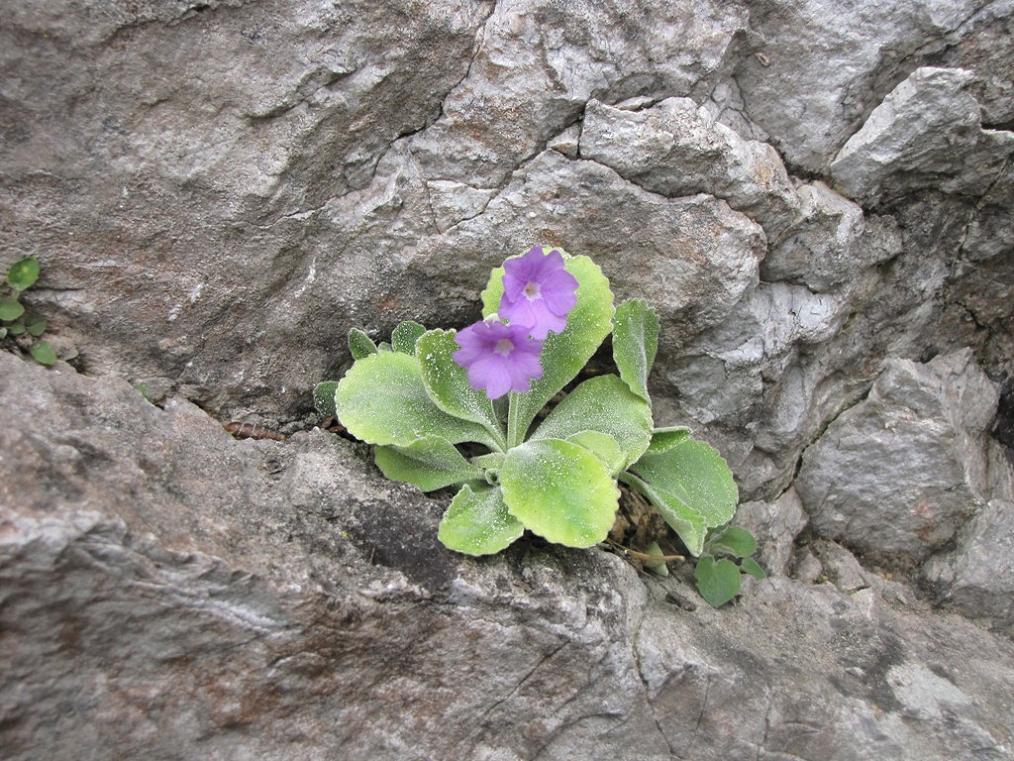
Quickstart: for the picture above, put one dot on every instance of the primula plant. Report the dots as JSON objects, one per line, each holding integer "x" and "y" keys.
{"x": 419, "y": 399}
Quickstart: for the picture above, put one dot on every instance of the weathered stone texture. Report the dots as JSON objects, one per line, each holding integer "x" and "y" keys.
{"x": 168, "y": 592}
{"x": 816, "y": 196}
{"x": 977, "y": 577}
{"x": 899, "y": 473}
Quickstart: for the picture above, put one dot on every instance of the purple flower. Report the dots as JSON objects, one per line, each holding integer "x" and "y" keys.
{"x": 538, "y": 292}
{"x": 499, "y": 358}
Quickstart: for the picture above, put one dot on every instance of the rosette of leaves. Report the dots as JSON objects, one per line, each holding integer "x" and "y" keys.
{"x": 557, "y": 477}
{"x": 18, "y": 323}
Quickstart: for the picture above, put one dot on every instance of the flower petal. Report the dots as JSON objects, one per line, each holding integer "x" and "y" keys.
{"x": 524, "y": 368}
{"x": 491, "y": 375}
{"x": 559, "y": 291}
{"x": 548, "y": 264}
{"x": 535, "y": 315}
{"x": 518, "y": 272}
{"x": 520, "y": 312}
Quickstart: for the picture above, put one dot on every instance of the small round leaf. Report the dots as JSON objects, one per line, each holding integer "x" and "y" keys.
{"x": 323, "y": 398}
{"x": 10, "y": 309}
{"x": 36, "y": 326}
{"x": 23, "y": 273}
{"x": 360, "y": 344}
{"x": 718, "y": 582}
{"x": 733, "y": 540}
{"x": 43, "y": 353}
{"x": 752, "y": 567}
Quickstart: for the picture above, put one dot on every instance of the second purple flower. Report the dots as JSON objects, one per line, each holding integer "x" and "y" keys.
{"x": 538, "y": 292}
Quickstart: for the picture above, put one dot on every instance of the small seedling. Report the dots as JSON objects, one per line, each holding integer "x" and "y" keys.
{"x": 18, "y": 323}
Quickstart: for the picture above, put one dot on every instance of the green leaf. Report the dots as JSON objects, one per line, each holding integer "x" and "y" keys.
{"x": 560, "y": 491}
{"x": 563, "y": 354}
{"x": 36, "y": 326}
{"x": 493, "y": 292}
{"x": 660, "y": 568}
{"x": 10, "y": 309}
{"x": 405, "y": 335}
{"x": 718, "y": 582}
{"x": 491, "y": 461}
{"x": 447, "y": 383}
{"x": 23, "y": 273}
{"x": 323, "y": 398}
{"x": 43, "y": 353}
{"x": 603, "y": 446}
{"x": 382, "y": 400}
{"x": 604, "y": 404}
{"x": 430, "y": 463}
{"x": 360, "y": 345}
{"x": 691, "y": 486}
{"x": 664, "y": 439}
{"x": 752, "y": 567}
{"x": 635, "y": 342}
{"x": 3, "y": 332}
{"x": 16, "y": 329}
{"x": 477, "y": 522}
{"x": 734, "y": 541}
{"x": 688, "y": 523}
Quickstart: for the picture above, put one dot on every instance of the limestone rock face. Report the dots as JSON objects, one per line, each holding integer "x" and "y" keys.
{"x": 167, "y": 591}
{"x": 805, "y": 81}
{"x": 832, "y": 244}
{"x": 899, "y": 473}
{"x": 817, "y": 198}
{"x": 926, "y": 133}
{"x": 676, "y": 148}
{"x": 976, "y": 576}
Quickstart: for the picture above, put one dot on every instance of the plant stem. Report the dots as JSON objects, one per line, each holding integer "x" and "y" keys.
{"x": 497, "y": 431}
{"x": 513, "y": 422}
{"x": 646, "y": 556}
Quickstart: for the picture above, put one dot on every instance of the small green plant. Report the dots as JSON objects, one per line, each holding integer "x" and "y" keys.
{"x": 16, "y": 322}
{"x": 431, "y": 391}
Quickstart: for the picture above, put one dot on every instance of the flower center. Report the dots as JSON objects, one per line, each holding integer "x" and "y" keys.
{"x": 504, "y": 347}
{"x": 531, "y": 291}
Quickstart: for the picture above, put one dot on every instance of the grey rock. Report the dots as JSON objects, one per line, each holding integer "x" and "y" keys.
{"x": 676, "y": 148}
{"x": 321, "y": 172}
{"x": 764, "y": 380}
{"x": 453, "y": 202}
{"x": 807, "y": 567}
{"x": 897, "y": 692}
{"x": 927, "y": 133}
{"x": 173, "y": 204}
{"x": 167, "y": 591}
{"x": 219, "y": 190}
{"x": 977, "y": 577}
{"x": 898, "y": 474}
{"x": 832, "y": 243}
{"x": 990, "y": 233}
{"x": 840, "y": 566}
{"x": 981, "y": 48}
{"x": 763, "y": 328}
{"x": 775, "y": 525}
{"x": 567, "y": 142}
{"x": 805, "y": 82}
{"x": 539, "y": 63}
